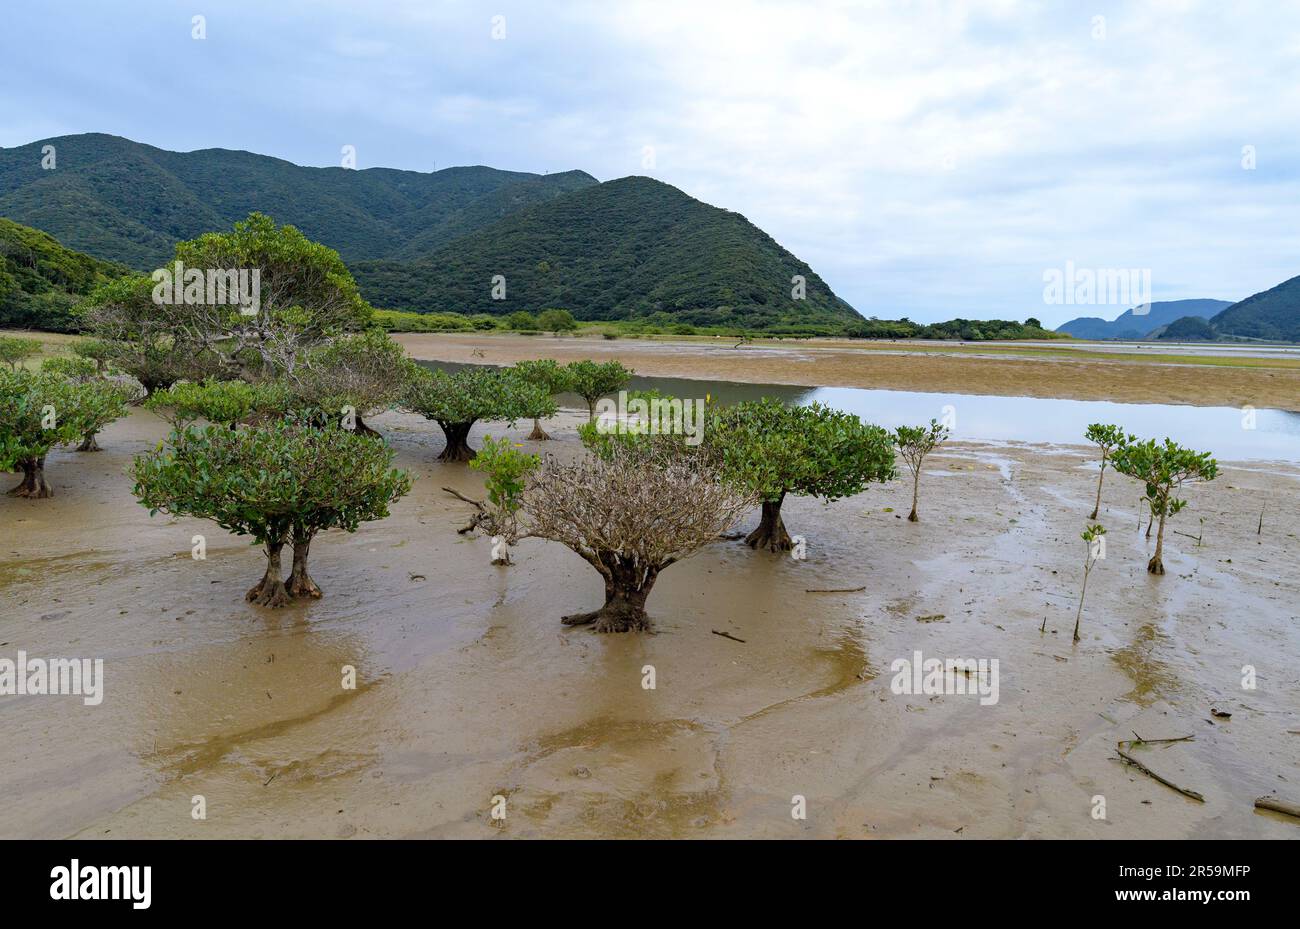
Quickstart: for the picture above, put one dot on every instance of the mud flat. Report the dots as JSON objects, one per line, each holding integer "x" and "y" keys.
{"x": 1004, "y": 369}
{"x": 469, "y": 688}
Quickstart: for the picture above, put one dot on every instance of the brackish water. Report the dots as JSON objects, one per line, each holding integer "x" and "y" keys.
{"x": 1226, "y": 432}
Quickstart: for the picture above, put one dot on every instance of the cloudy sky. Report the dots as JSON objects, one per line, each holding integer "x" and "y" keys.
{"x": 929, "y": 159}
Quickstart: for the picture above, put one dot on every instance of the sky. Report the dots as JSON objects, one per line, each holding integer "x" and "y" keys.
{"x": 928, "y": 159}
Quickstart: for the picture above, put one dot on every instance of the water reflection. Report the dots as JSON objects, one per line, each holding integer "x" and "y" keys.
{"x": 1222, "y": 431}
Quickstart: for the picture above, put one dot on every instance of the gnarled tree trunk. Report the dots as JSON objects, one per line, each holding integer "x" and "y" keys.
{"x": 457, "y": 449}
{"x": 33, "y": 484}
{"x": 771, "y": 533}
{"x": 538, "y": 434}
{"x": 300, "y": 582}
{"x": 88, "y": 444}
{"x": 626, "y": 588}
{"x": 270, "y": 590}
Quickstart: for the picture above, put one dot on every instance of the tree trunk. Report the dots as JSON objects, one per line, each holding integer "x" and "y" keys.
{"x": 270, "y": 590}
{"x": 457, "y": 449}
{"x": 1083, "y": 593}
{"x": 88, "y": 444}
{"x": 538, "y": 434}
{"x": 1097, "y": 506}
{"x": 591, "y": 409}
{"x": 771, "y": 533}
{"x": 300, "y": 582}
{"x": 33, "y": 483}
{"x": 1156, "y": 565}
{"x": 916, "y": 490}
{"x": 626, "y": 590}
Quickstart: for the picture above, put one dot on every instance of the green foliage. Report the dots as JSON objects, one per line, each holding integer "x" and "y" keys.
{"x": 545, "y": 372}
{"x": 1108, "y": 437}
{"x": 472, "y": 394}
{"x": 592, "y": 380}
{"x": 41, "y": 410}
{"x": 72, "y": 367}
{"x": 396, "y": 321}
{"x": 227, "y": 403}
{"x": 969, "y": 330}
{"x": 556, "y": 321}
{"x": 1163, "y": 468}
{"x": 506, "y": 469}
{"x": 915, "y": 442}
{"x": 522, "y": 321}
{"x": 14, "y": 351}
{"x": 814, "y": 451}
{"x": 266, "y": 482}
{"x": 41, "y": 281}
{"x": 1188, "y": 329}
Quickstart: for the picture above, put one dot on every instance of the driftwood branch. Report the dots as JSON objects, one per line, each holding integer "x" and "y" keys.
{"x": 1278, "y": 806}
{"x": 833, "y": 590}
{"x": 1129, "y": 759}
{"x": 727, "y": 635}
{"x": 477, "y": 519}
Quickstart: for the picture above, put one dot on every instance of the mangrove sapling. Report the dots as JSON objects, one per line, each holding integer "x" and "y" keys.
{"x": 279, "y": 483}
{"x": 41, "y": 410}
{"x": 14, "y": 351}
{"x": 506, "y": 470}
{"x": 1163, "y": 468}
{"x": 630, "y": 515}
{"x": 913, "y": 444}
{"x": 774, "y": 450}
{"x": 353, "y": 377}
{"x": 546, "y": 373}
{"x": 1107, "y": 438}
{"x": 457, "y": 401}
{"x": 1092, "y": 537}
{"x": 592, "y": 380}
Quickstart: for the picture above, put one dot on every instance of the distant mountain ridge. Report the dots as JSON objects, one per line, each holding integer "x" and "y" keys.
{"x": 128, "y": 202}
{"x": 1132, "y": 326}
{"x": 430, "y": 242}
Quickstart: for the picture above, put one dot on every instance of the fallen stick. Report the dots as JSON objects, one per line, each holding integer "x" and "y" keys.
{"x": 1186, "y": 792}
{"x": 727, "y": 635}
{"x": 1277, "y": 806}
{"x": 833, "y": 590}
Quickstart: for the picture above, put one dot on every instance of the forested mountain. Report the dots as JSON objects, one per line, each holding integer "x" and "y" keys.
{"x": 622, "y": 249}
{"x": 1273, "y": 314}
{"x": 124, "y": 201}
{"x": 40, "y": 280}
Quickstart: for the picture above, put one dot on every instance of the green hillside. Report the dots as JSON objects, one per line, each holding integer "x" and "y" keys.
{"x": 1273, "y": 315}
{"x": 40, "y": 280}
{"x": 123, "y": 201}
{"x": 621, "y": 250}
